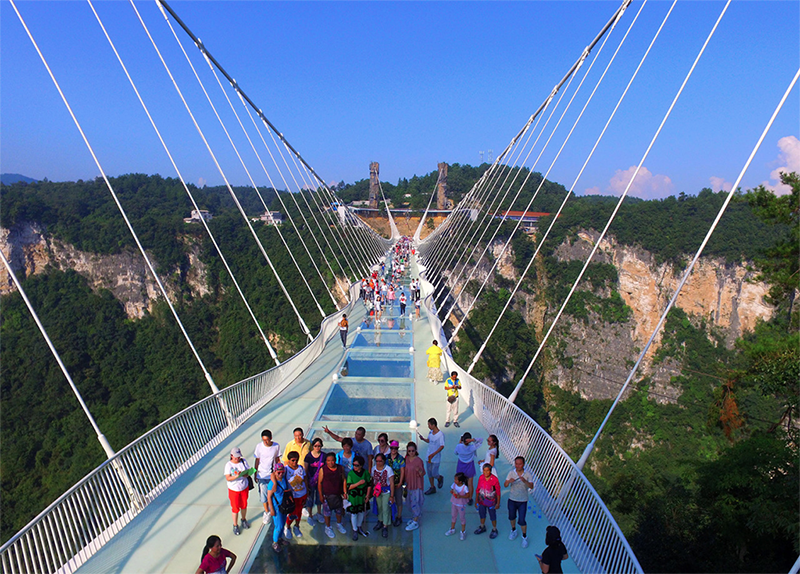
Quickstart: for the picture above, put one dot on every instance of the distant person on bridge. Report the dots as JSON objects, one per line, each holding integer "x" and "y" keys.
{"x": 343, "y": 326}
{"x": 434, "y": 362}
{"x": 215, "y": 557}
{"x": 403, "y": 303}
{"x": 451, "y": 386}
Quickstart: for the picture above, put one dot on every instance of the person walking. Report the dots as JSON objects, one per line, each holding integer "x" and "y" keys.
{"x": 415, "y": 471}
{"x": 520, "y": 480}
{"x": 215, "y": 558}
{"x": 238, "y": 488}
{"x": 451, "y": 386}
{"x": 435, "y": 442}
{"x": 488, "y": 499}
{"x": 266, "y": 453}
{"x": 280, "y": 499}
{"x": 383, "y": 493}
{"x": 332, "y": 492}
{"x": 434, "y": 362}
{"x": 359, "y": 488}
{"x": 550, "y": 560}
{"x": 459, "y": 492}
{"x": 403, "y": 302}
{"x": 343, "y": 326}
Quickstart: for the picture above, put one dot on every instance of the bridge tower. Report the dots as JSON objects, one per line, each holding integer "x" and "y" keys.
{"x": 374, "y": 190}
{"x": 442, "y": 201}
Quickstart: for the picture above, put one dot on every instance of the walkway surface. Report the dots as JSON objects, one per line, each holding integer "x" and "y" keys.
{"x": 377, "y": 370}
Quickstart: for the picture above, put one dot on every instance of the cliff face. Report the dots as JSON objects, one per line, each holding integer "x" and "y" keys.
{"x": 602, "y": 354}
{"x": 30, "y": 251}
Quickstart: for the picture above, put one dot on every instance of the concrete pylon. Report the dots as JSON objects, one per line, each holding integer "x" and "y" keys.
{"x": 374, "y": 190}
{"x": 442, "y": 201}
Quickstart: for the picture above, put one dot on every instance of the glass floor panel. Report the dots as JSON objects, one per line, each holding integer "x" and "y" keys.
{"x": 368, "y": 338}
{"x": 384, "y": 368}
{"x": 354, "y": 558}
{"x": 365, "y": 401}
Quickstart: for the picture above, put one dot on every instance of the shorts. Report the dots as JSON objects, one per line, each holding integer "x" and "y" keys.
{"x": 326, "y": 511}
{"x": 520, "y": 508}
{"x": 468, "y": 468}
{"x": 492, "y": 512}
{"x": 432, "y": 468}
{"x": 263, "y": 490}
{"x": 312, "y": 498}
{"x": 435, "y": 374}
{"x": 299, "y": 503}
{"x": 414, "y": 502}
{"x": 238, "y": 499}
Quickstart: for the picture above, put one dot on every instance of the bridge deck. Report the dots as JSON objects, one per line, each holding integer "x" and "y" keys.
{"x": 169, "y": 535}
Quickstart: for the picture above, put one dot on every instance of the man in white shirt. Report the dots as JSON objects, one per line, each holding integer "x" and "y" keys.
{"x": 435, "y": 442}
{"x": 267, "y": 452}
{"x": 520, "y": 480}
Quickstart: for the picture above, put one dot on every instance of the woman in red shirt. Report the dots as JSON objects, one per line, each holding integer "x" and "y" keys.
{"x": 488, "y": 499}
{"x": 215, "y": 557}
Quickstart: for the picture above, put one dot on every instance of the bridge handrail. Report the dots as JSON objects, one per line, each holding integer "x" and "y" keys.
{"x": 563, "y": 493}
{"x": 76, "y": 525}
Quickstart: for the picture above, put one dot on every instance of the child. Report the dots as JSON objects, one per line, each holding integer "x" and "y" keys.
{"x": 215, "y": 557}
{"x": 296, "y": 477}
{"x": 459, "y": 493}
{"x": 488, "y": 499}
{"x": 345, "y": 457}
{"x": 359, "y": 488}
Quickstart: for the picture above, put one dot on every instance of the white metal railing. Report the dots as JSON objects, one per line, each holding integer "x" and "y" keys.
{"x": 565, "y": 496}
{"x": 74, "y": 527}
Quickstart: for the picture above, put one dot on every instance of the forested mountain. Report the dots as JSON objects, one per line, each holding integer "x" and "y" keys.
{"x": 699, "y": 466}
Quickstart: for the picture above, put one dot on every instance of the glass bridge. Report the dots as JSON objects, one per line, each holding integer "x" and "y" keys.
{"x": 151, "y": 508}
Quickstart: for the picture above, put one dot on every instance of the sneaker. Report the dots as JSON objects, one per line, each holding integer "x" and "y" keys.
{"x": 413, "y": 525}
{"x": 450, "y": 532}
{"x": 276, "y": 547}
{"x": 305, "y": 513}
{"x": 493, "y": 533}
{"x": 236, "y": 530}
{"x": 329, "y": 532}
{"x": 385, "y": 532}
{"x": 441, "y": 481}
{"x": 396, "y": 522}
{"x": 524, "y": 541}
{"x": 266, "y": 519}
{"x": 355, "y": 535}
{"x": 320, "y": 519}
{"x": 311, "y": 521}
{"x": 362, "y": 532}
{"x": 447, "y": 424}
{"x": 462, "y": 536}
{"x": 513, "y": 534}
{"x": 245, "y": 524}
{"x": 287, "y": 533}
{"x": 431, "y": 490}
{"x": 297, "y": 533}
{"x": 480, "y": 530}
{"x": 378, "y": 526}
{"x": 455, "y": 424}
{"x": 340, "y": 528}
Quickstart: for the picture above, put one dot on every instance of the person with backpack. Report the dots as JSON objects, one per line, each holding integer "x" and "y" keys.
{"x": 280, "y": 498}
{"x": 332, "y": 491}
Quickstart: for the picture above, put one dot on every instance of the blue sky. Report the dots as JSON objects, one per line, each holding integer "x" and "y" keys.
{"x": 407, "y": 84}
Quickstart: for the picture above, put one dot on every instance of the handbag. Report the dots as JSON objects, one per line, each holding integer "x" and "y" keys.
{"x": 451, "y": 399}
{"x": 334, "y": 502}
{"x": 287, "y": 502}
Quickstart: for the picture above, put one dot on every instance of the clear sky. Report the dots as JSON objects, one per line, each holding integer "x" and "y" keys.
{"x": 407, "y": 84}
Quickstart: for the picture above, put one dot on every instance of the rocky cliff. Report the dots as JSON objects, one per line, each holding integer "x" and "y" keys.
{"x": 30, "y": 250}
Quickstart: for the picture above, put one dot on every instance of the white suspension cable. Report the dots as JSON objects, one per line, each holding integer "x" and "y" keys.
{"x": 149, "y": 264}
{"x": 186, "y": 188}
{"x": 392, "y": 226}
{"x": 539, "y": 244}
{"x": 418, "y": 232}
{"x": 513, "y": 395}
{"x": 253, "y": 183}
{"x": 590, "y": 447}
{"x": 300, "y": 320}
{"x": 100, "y": 436}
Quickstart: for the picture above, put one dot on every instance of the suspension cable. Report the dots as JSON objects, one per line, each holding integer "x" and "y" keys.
{"x": 121, "y": 209}
{"x": 513, "y": 395}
